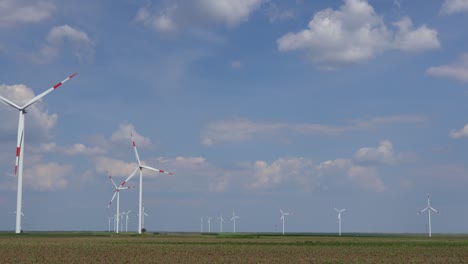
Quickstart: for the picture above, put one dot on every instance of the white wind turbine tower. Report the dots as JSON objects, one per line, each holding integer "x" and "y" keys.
{"x": 208, "y": 219}
{"x": 117, "y": 193}
{"x": 201, "y": 224}
{"x": 339, "y": 219}
{"x": 143, "y": 218}
{"x": 221, "y": 220}
{"x": 140, "y": 168}
{"x": 126, "y": 219}
{"x": 233, "y": 218}
{"x": 429, "y": 209}
{"x": 283, "y": 218}
{"x": 20, "y": 145}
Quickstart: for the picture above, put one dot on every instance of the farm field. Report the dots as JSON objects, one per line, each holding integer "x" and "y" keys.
{"x": 229, "y": 248}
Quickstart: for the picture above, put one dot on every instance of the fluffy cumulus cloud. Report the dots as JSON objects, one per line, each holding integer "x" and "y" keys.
{"x": 14, "y": 12}
{"x": 236, "y": 130}
{"x": 38, "y": 118}
{"x": 46, "y": 177}
{"x": 307, "y": 175}
{"x": 454, "y": 6}
{"x": 383, "y": 154}
{"x": 66, "y": 37}
{"x": 457, "y": 70}
{"x": 291, "y": 170}
{"x": 456, "y": 134}
{"x": 415, "y": 40}
{"x": 122, "y": 136}
{"x": 354, "y": 33}
{"x": 179, "y": 15}
{"x": 362, "y": 169}
{"x": 364, "y": 176}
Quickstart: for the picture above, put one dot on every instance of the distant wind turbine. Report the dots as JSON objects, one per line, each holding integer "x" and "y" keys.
{"x": 283, "y": 218}
{"x": 140, "y": 168}
{"x": 429, "y": 209}
{"x": 201, "y": 224}
{"x": 20, "y": 144}
{"x": 126, "y": 219}
{"x": 208, "y": 219}
{"x": 221, "y": 220}
{"x": 339, "y": 219}
{"x": 233, "y": 218}
{"x": 109, "y": 220}
{"x": 117, "y": 193}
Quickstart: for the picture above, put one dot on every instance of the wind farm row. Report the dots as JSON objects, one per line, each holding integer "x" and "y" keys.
{"x": 118, "y": 217}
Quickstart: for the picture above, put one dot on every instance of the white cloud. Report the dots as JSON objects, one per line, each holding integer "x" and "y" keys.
{"x": 454, "y": 6}
{"x": 237, "y": 130}
{"x": 122, "y": 136}
{"x": 457, "y": 70}
{"x": 460, "y": 133}
{"x": 352, "y": 34}
{"x": 229, "y": 12}
{"x": 415, "y": 40}
{"x": 62, "y": 37}
{"x": 383, "y": 154}
{"x": 276, "y": 14}
{"x": 38, "y": 118}
{"x": 114, "y": 167}
{"x": 291, "y": 170}
{"x": 13, "y": 12}
{"x": 46, "y": 177}
{"x": 161, "y": 22}
{"x": 193, "y": 14}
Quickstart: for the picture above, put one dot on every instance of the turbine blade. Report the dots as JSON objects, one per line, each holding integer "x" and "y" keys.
{"x": 336, "y": 210}
{"x": 135, "y": 149}
{"x": 19, "y": 141}
{"x": 113, "y": 197}
{"x": 156, "y": 170}
{"x": 113, "y": 182}
{"x": 129, "y": 177}
{"x": 281, "y": 211}
{"x": 8, "y": 102}
{"x": 423, "y": 210}
{"x": 434, "y": 210}
{"x": 38, "y": 97}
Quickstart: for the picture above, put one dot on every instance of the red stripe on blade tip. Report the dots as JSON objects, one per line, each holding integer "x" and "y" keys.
{"x": 18, "y": 150}
{"x": 57, "y": 85}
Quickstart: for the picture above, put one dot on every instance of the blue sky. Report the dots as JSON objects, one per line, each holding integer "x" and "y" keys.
{"x": 255, "y": 105}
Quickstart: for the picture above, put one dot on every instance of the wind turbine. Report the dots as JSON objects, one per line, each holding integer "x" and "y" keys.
{"x": 20, "y": 145}
{"x": 117, "y": 193}
{"x": 339, "y": 219}
{"x": 429, "y": 209}
{"x": 126, "y": 219}
{"x": 208, "y": 219}
{"x": 201, "y": 224}
{"x": 283, "y": 218}
{"x": 233, "y": 218}
{"x": 221, "y": 220}
{"x": 140, "y": 168}
{"x": 143, "y": 217}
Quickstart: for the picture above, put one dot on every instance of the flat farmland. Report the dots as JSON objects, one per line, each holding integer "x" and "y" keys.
{"x": 227, "y": 248}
